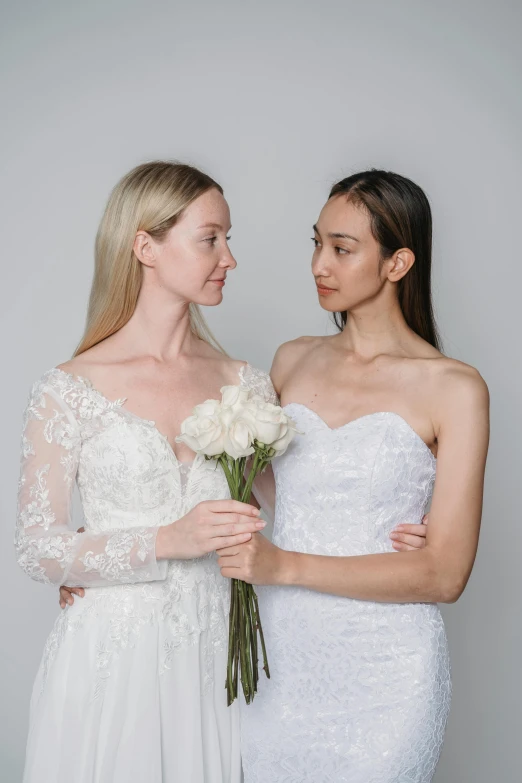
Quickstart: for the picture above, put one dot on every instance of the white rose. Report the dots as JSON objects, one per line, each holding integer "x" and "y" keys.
{"x": 282, "y": 443}
{"x": 270, "y": 422}
{"x": 240, "y": 433}
{"x": 232, "y": 396}
{"x": 204, "y": 431}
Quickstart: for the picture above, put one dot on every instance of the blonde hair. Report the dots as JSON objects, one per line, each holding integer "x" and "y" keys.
{"x": 149, "y": 198}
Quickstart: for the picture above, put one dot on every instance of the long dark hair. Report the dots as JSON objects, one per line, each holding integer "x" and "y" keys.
{"x": 400, "y": 216}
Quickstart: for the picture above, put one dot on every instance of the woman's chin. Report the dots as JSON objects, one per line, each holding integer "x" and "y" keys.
{"x": 327, "y": 304}
{"x": 210, "y": 299}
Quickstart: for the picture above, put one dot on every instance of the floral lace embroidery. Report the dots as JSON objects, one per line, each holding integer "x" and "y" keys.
{"x": 130, "y": 484}
{"x": 359, "y": 690}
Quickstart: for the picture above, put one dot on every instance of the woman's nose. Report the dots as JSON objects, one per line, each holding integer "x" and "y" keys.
{"x": 228, "y": 261}
{"x": 319, "y": 265}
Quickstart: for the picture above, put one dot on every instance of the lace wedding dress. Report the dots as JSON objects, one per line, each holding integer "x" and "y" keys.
{"x": 359, "y": 691}
{"x": 131, "y": 685}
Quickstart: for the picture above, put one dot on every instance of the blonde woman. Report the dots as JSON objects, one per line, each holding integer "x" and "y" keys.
{"x": 130, "y": 688}
{"x": 131, "y": 685}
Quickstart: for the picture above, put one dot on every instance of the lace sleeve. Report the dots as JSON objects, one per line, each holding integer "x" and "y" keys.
{"x": 259, "y": 382}
{"x": 47, "y": 550}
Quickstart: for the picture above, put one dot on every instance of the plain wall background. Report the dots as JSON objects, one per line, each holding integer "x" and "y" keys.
{"x": 276, "y": 100}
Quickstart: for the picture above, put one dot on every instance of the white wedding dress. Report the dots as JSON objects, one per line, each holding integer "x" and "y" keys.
{"x": 131, "y": 685}
{"x": 359, "y": 691}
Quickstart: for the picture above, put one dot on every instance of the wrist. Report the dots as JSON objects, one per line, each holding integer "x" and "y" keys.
{"x": 289, "y": 568}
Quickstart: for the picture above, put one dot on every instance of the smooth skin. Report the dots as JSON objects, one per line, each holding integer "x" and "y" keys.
{"x": 379, "y": 364}
{"x": 163, "y": 371}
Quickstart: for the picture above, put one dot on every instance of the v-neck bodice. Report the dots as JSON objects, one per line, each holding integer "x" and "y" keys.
{"x": 147, "y": 642}
{"x": 130, "y": 484}
{"x": 129, "y": 478}
{"x": 248, "y": 376}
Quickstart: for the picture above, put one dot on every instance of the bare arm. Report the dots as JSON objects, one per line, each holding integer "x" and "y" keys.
{"x": 440, "y": 571}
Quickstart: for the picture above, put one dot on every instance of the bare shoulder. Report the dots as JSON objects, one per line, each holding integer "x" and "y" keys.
{"x": 460, "y": 392}
{"x": 84, "y": 362}
{"x": 460, "y": 378}
{"x": 231, "y": 368}
{"x": 289, "y": 354}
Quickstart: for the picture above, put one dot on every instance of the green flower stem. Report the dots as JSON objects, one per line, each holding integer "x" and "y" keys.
{"x": 231, "y": 645}
{"x": 247, "y": 490}
{"x": 261, "y": 636}
{"x": 245, "y": 623}
{"x": 248, "y": 639}
{"x": 253, "y": 613}
{"x": 223, "y": 461}
{"x": 243, "y": 649}
{"x": 236, "y": 639}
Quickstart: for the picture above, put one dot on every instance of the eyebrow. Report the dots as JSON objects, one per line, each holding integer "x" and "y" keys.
{"x": 336, "y": 235}
{"x": 213, "y": 225}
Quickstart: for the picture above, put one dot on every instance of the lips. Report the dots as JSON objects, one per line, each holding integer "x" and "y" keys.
{"x": 323, "y": 290}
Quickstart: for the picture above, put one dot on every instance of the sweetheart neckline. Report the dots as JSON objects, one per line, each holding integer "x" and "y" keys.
{"x": 358, "y": 419}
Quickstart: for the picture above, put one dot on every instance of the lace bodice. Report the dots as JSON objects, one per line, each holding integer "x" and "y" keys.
{"x": 376, "y": 468}
{"x": 129, "y": 479}
{"x": 359, "y": 690}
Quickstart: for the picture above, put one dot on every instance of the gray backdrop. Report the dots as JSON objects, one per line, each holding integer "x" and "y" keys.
{"x": 276, "y": 100}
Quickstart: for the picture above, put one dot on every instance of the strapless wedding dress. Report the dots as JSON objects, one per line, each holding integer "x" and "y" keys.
{"x": 360, "y": 690}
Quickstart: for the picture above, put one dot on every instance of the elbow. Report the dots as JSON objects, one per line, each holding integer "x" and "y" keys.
{"x": 445, "y": 581}
{"x": 450, "y": 589}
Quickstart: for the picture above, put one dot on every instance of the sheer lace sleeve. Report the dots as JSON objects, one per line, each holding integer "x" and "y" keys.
{"x": 47, "y": 550}
{"x": 259, "y": 382}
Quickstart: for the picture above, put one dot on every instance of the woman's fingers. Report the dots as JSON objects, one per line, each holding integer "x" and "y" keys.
{"x": 66, "y": 595}
{"x": 234, "y": 527}
{"x": 413, "y": 530}
{"x": 233, "y": 507}
{"x": 401, "y": 547}
{"x": 227, "y": 518}
{"x": 228, "y": 541}
{"x": 228, "y": 562}
{"x": 414, "y": 541}
{"x": 228, "y": 551}
{"x": 406, "y": 538}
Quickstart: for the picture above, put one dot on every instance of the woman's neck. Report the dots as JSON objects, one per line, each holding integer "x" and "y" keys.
{"x": 159, "y": 327}
{"x": 373, "y": 330}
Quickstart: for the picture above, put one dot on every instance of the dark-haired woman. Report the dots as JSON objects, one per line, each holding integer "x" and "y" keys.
{"x": 360, "y": 686}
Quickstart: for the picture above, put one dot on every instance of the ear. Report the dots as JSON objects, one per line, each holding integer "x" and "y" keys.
{"x": 400, "y": 264}
{"x": 144, "y": 248}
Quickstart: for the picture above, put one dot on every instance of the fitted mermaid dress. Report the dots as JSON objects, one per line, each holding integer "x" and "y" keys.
{"x": 359, "y": 690}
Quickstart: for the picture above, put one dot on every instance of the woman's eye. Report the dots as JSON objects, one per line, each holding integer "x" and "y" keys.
{"x": 229, "y": 238}
{"x": 342, "y": 251}
{"x": 211, "y": 240}
{"x": 315, "y": 241}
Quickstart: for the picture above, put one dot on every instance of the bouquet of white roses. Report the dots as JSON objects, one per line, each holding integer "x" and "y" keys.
{"x": 241, "y": 429}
